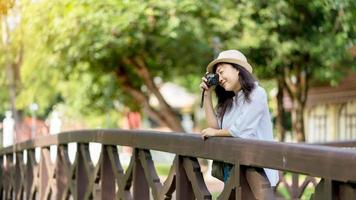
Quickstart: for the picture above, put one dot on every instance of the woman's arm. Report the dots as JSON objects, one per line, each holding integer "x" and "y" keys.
{"x": 208, "y": 105}
{"x": 212, "y": 132}
{"x": 209, "y": 111}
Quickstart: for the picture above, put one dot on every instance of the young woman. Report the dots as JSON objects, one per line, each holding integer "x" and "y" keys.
{"x": 241, "y": 111}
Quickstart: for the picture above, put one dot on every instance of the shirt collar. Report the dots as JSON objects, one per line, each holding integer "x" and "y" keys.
{"x": 241, "y": 94}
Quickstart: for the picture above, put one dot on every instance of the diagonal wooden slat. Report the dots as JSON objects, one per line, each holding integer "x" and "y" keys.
{"x": 20, "y": 176}
{"x": 32, "y": 175}
{"x": 196, "y": 179}
{"x": 123, "y": 180}
{"x": 11, "y": 176}
{"x": 115, "y": 162}
{"x": 46, "y": 174}
{"x": 308, "y": 180}
{"x": 152, "y": 178}
{"x": 5, "y": 175}
{"x": 86, "y": 172}
{"x": 169, "y": 184}
{"x": 123, "y": 191}
{"x": 62, "y": 172}
{"x": 126, "y": 181}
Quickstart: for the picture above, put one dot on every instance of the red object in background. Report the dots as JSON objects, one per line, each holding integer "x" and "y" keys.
{"x": 134, "y": 120}
{"x": 23, "y": 130}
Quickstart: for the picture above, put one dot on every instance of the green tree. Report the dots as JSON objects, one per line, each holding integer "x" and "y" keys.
{"x": 10, "y": 58}
{"x": 97, "y": 51}
{"x": 295, "y": 42}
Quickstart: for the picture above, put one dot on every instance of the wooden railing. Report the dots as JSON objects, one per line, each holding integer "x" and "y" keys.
{"x": 335, "y": 167}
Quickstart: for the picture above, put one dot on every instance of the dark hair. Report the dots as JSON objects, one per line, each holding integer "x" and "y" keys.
{"x": 247, "y": 82}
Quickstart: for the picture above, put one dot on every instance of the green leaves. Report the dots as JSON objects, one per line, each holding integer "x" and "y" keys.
{"x": 76, "y": 48}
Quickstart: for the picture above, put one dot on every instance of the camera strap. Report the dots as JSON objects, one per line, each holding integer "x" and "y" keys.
{"x": 202, "y": 99}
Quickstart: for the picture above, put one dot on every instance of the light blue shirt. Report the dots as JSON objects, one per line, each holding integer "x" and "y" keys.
{"x": 251, "y": 120}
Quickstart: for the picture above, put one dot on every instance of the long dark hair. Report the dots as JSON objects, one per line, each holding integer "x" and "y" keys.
{"x": 247, "y": 82}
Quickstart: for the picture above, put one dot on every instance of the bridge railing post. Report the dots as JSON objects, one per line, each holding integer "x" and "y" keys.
{"x": 184, "y": 189}
{"x": 140, "y": 185}
{"x": 108, "y": 183}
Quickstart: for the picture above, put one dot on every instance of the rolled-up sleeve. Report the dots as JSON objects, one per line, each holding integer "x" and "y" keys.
{"x": 245, "y": 125}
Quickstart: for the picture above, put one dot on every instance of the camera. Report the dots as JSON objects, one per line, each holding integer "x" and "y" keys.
{"x": 212, "y": 79}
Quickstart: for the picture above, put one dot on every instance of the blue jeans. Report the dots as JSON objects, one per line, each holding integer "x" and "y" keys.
{"x": 227, "y": 171}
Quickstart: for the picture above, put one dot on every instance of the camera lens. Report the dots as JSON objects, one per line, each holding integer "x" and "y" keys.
{"x": 212, "y": 79}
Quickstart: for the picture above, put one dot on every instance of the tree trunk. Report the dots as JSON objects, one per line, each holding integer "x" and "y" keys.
{"x": 12, "y": 70}
{"x": 170, "y": 115}
{"x": 297, "y": 87}
{"x": 280, "y": 121}
{"x": 161, "y": 117}
{"x": 298, "y": 120}
{"x": 141, "y": 99}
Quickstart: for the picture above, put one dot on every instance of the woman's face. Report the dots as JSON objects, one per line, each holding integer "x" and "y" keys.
{"x": 228, "y": 77}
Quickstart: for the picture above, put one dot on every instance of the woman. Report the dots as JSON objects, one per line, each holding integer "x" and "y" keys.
{"x": 241, "y": 111}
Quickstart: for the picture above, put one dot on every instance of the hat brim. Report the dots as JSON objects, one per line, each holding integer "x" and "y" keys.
{"x": 243, "y": 64}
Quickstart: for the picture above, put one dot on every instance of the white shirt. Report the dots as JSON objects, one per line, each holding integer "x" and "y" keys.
{"x": 251, "y": 120}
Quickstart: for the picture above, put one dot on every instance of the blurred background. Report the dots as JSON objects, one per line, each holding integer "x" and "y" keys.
{"x": 69, "y": 65}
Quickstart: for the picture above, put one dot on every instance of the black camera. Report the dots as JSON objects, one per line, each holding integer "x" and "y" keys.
{"x": 212, "y": 79}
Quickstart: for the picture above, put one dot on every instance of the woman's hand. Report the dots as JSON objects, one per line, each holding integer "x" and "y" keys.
{"x": 212, "y": 132}
{"x": 205, "y": 87}
{"x": 209, "y": 132}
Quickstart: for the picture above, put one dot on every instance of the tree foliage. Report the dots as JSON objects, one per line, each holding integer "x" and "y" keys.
{"x": 90, "y": 53}
{"x": 295, "y": 42}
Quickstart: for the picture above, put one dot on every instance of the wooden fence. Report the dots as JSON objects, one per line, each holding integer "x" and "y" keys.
{"x": 333, "y": 166}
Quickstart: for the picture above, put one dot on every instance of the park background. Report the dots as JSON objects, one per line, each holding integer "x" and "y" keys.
{"x": 95, "y": 63}
{"x": 137, "y": 64}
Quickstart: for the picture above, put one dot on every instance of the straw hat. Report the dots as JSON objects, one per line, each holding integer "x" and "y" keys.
{"x": 230, "y": 56}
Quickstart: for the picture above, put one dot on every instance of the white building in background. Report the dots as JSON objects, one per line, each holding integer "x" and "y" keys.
{"x": 180, "y": 100}
{"x": 8, "y": 129}
{"x": 330, "y": 114}
{"x": 55, "y": 123}
{"x": 176, "y": 96}
{"x": 187, "y": 123}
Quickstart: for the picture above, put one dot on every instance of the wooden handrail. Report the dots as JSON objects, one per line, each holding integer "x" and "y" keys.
{"x": 327, "y": 162}
{"x": 346, "y": 144}
{"x": 300, "y": 158}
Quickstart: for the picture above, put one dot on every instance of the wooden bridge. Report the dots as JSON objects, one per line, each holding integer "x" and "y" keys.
{"x": 331, "y": 168}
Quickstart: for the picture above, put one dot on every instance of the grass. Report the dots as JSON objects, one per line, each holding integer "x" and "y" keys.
{"x": 162, "y": 170}
{"x": 284, "y": 192}
{"x": 306, "y": 195}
